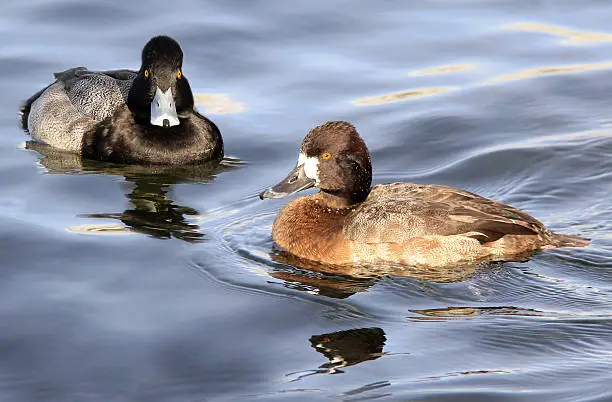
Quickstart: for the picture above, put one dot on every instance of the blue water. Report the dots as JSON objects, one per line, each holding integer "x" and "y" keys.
{"x": 131, "y": 284}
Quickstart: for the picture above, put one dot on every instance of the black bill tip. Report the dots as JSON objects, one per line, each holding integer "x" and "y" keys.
{"x": 270, "y": 193}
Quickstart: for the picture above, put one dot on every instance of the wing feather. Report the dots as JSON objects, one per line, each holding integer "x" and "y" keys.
{"x": 397, "y": 212}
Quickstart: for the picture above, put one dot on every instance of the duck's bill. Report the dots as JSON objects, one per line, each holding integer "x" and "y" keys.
{"x": 163, "y": 109}
{"x": 294, "y": 182}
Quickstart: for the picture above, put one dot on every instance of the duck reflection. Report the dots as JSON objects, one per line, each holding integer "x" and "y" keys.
{"x": 314, "y": 277}
{"x": 151, "y": 212}
{"x": 346, "y": 348}
{"x": 342, "y": 281}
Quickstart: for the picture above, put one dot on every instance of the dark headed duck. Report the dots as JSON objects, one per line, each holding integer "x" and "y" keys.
{"x": 124, "y": 116}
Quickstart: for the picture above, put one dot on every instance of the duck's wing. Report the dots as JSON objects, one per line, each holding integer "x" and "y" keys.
{"x": 96, "y": 94}
{"x": 397, "y": 212}
{"x": 64, "y": 111}
{"x": 51, "y": 117}
{"x": 70, "y": 76}
{"x": 453, "y": 196}
{"x": 123, "y": 74}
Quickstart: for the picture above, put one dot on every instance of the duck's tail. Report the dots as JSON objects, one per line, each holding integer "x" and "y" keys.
{"x": 561, "y": 240}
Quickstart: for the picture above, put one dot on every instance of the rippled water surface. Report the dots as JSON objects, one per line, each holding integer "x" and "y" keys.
{"x": 124, "y": 284}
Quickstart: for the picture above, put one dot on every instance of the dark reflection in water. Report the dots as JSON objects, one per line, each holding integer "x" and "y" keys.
{"x": 314, "y": 277}
{"x": 346, "y": 348}
{"x": 153, "y": 213}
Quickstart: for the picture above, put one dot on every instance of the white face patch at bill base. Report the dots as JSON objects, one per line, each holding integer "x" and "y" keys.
{"x": 311, "y": 166}
{"x": 163, "y": 110}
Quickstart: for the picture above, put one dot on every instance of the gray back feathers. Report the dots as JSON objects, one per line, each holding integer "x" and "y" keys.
{"x": 71, "y": 106}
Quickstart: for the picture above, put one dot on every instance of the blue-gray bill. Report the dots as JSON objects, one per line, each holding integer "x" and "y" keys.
{"x": 295, "y": 181}
{"x": 163, "y": 110}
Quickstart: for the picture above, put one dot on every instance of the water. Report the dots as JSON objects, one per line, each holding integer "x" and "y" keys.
{"x": 131, "y": 284}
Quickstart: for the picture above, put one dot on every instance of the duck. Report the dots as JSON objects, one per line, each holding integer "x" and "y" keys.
{"x": 349, "y": 222}
{"x": 126, "y": 116}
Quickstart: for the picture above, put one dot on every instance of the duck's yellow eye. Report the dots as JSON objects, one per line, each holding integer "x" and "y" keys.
{"x": 179, "y": 74}
{"x": 326, "y": 156}
{"x": 147, "y": 73}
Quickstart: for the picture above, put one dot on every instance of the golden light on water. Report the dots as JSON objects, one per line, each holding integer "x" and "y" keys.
{"x": 446, "y": 69}
{"x": 400, "y": 96}
{"x": 218, "y": 103}
{"x": 570, "y": 36}
{"x": 509, "y": 77}
{"x": 100, "y": 229}
{"x": 550, "y": 70}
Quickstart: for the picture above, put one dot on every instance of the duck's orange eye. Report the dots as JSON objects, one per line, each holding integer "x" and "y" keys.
{"x": 147, "y": 73}
{"x": 179, "y": 74}
{"x": 326, "y": 156}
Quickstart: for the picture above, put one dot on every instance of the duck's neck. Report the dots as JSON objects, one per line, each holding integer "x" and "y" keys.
{"x": 332, "y": 200}
{"x": 343, "y": 200}
{"x": 311, "y": 227}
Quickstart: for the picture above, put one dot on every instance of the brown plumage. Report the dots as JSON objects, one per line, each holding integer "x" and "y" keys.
{"x": 407, "y": 223}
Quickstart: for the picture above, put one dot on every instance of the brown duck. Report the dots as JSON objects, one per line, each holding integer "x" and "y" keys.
{"x": 407, "y": 223}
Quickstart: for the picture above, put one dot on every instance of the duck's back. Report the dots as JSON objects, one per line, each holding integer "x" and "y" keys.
{"x": 64, "y": 111}
{"x": 97, "y": 94}
{"x": 398, "y": 211}
{"x": 433, "y": 224}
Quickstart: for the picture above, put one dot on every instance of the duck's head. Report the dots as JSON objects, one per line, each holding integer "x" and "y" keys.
{"x": 160, "y": 94}
{"x": 334, "y": 158}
